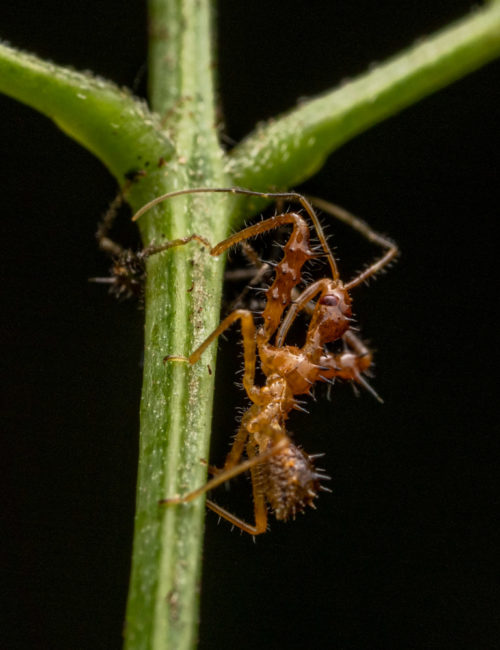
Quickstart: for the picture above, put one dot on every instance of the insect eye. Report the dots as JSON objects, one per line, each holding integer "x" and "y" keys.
{"x": 329, "y": 300}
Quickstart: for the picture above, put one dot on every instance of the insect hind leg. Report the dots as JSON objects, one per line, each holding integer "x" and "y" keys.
{"x": 258, "y": 528}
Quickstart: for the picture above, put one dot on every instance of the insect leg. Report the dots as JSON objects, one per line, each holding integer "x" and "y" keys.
{"x": 290, "y": 196}
{"x": 300, "y": 302}
{"x": 368, "y": 232}
{"x": 248, "y": 333}
{"x": 235, "y": 453}
{"x": 227, "y": 474}
{"x": 356, "y": 344}
{"x": 260, "y": 518}
{"x": 104, "y": 227}
{"x": 259, "y": 505}
{"x": 254, "y": 275}
{"x": 352, "y": 363}
{"x": 154, "y": 249}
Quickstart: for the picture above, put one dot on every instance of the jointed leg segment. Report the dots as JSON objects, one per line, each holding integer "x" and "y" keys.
{"x": 260, "y": 517}
{"x": 362, "y": 227}
{"x": 231, "y": 469}
{"x": 248, "y": 334}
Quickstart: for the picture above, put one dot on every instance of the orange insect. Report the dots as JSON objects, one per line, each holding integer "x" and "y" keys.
{"x": 283, "y": 475}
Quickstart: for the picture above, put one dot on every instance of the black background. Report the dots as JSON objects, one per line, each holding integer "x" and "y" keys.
{"x": 403, "y": 554}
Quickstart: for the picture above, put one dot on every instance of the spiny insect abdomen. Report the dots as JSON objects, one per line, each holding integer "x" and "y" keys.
{"x": 290, "y": 482}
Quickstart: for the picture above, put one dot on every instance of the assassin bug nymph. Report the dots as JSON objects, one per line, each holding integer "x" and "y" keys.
{"x": 283, "y": 475}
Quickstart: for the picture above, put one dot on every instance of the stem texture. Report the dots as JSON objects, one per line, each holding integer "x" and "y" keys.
{"x": 182, "y": 307}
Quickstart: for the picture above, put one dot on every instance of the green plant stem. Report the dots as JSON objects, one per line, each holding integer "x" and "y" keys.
{"x": 105, "y": 119}
{"x": 182, "y": 306}
{"x": 165, "y": 35}
{"x": 288, "y": 150}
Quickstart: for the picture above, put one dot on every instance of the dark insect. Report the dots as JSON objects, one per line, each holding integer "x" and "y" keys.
{"x": 128, "y": 270}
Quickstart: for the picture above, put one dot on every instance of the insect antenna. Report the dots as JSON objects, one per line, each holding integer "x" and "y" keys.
{"x": 291, "y": 196}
